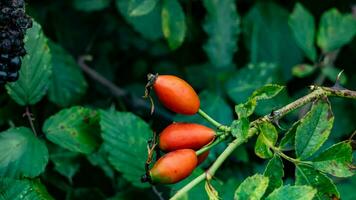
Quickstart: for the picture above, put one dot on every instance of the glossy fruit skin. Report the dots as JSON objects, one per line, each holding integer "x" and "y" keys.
{"x": 174, "y": 166}
{"x": 185, "y": 136}
{"x": 176, "y": 94}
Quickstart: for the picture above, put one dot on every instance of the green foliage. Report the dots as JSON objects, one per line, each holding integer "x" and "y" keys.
{"x": 274, "y": 172}
{"x": 292, "y": 192}
{"x": 173, "y": 23}
{"x": 91, "y": 5}
{"x": 335, "y": 30}
{"x": 240, "y": 128}
{"x": 242, "y": 84}
{"x": 267, "y": 138}
{"x": 65, "y": 90}
{"x": 149, "y": 25}
{"x": 313, "y": 130}
{"x": 22, "y": 154}
{"x": 306, "y": 175}
{"x": 288, "y": 141}
{"x": 269, "y": 39}
{"x": 335, "y": 160}
{"x": 252, "y": 188}
{"x": 302, "y": 24}
{"x": 125, "y": 144}
{"x": 35, "y": 71}
{"x": 222, "y": 26}
{"x": 267, "y": 91}
{"x": 141, "y": 7}
{"x": 65, "y": 162}
{"x": 11, "y": 189}
{"x": 75, "y": 129}
{"x": 303, "y": 70}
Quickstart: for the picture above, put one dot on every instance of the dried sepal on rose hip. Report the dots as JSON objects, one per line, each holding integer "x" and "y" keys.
{"x": 173, "y": 167}
{"x": 185, "y": 136}
{"x": 174, "y": 93}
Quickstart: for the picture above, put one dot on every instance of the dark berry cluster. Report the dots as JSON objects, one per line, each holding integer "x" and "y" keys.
{"x": 13, "y": 25}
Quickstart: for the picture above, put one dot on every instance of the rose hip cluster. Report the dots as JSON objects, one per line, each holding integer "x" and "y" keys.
{"x": 179, "y": 140}
{"x": 13, "y": 25}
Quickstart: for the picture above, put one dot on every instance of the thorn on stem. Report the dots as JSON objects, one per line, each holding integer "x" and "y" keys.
{"x": 337, "y": 84}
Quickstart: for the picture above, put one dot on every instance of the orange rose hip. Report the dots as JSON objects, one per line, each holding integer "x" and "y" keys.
{"x": 174, "y": 166}
{"x": 185, "y": 136}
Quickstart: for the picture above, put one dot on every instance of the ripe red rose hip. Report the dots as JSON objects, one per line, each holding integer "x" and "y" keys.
{"x": 174, "y": 166}
{"x": 175, "y": 94}
{"x": 185, "y": 136}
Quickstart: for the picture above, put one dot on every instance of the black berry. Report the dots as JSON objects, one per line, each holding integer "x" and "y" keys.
{"x": 13, "y": 25}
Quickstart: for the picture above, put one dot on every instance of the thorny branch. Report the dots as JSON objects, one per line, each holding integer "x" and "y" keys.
{"x": 318, "y": 92}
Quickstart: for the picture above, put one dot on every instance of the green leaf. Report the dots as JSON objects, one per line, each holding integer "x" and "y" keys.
{"x": 173, "y": 23}
{"x": 274, "y": 172}
{"x": 99, "y": 159}
{"x": 302, "y": 24}
{"x": 68, "y": 84}
{"x": 35, "y": 71}
{"x": 125, "y": 139}
{"x": 267, "y": 138}
{"x": 11, "y": 189}
{"x": 252, "y": 188}
{"x": 347, "y": 188}
{"x": 65, "y": 162}
{"x": 76, "y": 129}
{"x": 222, "y": 26}
{"x": 248, "y": 79}
{"x": 335, "y": 30}
{"x": 141, "y": 7}
{"x": 267, "y": 91}
{"x": 149, "y": 25}
{"x": 335, "y": 160}
{"x": 331, "y": 73}
{"x": 22, "y": 154}
{"x": 239, "y": 128}
{"x": 306, "y": 175}
{"x": 293, "y": 192}
{"x": 244, "y": 110}
{"x": 313, "y": 130}
{"x": 288, "y": 141}
{"x": 303, "y": 70}
{"x": 212, "y": 104}
{"x": 91, "y": 5}
{"x": 269, "y": 39}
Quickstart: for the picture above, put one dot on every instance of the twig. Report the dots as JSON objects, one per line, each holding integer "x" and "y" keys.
{"x": 159, "y": 194}
{"x": 317, "y": 93}
{"x": 115, "y": 90}
{"x": 30, "y": 118}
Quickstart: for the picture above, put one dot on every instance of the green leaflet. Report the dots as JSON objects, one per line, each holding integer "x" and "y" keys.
{"x": 173, "y": 23}
{"x": 313, "y": 129}
{"x": 126, "y": 145}
{"x": 252, "y": 188}
{"x": 22, "y": 154}
{"x": 35, "y": 71}
{"x": 302, "y": 24}
{"x": 76, "y": 129}
{"x": 222, "y": 26}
